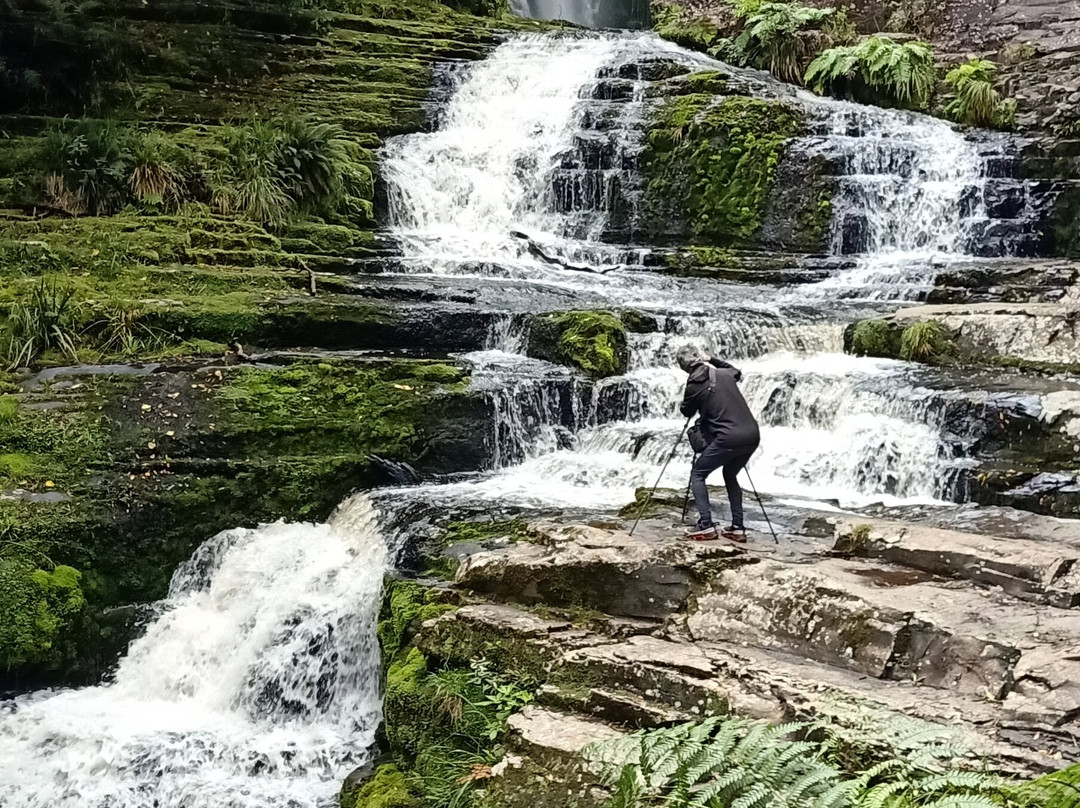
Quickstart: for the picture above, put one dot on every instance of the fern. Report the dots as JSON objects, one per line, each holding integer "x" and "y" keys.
{"x": 974, "y": 99}
{"x": 878, "y": 68}
{"x": 772, "y": 38}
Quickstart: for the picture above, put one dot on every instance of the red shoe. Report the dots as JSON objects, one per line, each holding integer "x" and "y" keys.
{"x": 735, "y": 534}
{"x": 702, "y": 534}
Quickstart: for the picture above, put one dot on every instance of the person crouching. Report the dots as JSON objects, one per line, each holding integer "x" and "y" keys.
{"x": 730, "y": 434}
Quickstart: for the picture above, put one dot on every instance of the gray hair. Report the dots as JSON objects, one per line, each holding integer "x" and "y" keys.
{"x": 689, "y": 356}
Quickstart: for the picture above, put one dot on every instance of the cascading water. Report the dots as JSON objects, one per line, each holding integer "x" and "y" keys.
{"x": 257, "y": 685}
{"x": 501, "y": 163}
{"x": 590, "y": 13}
{"x": 909, "y": 198}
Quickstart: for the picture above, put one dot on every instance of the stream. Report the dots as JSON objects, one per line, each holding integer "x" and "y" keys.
{"x": 257, "y": 682}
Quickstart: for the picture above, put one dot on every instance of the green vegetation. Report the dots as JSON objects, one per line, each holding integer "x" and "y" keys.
{"x": 975, "y": 101}
{"x": 731, "y": 761}
{"x": 1058, "y": 790}
{"x": 386, "y": 789}
{"x": 680, "y": 25}
{"x": 710, "y": 165}
{"x": 38, "y": 610}
{"x": 593, "y": 341}
{"x": 405, "y": 606}
{"x": 874, "y": 338}
{"x": 782, "y": 37}
{"x": 877, "y": 70}
{"x": 46, "y": 319}
{"x": 443, "y": 719}
{"x": 925, "y": 342}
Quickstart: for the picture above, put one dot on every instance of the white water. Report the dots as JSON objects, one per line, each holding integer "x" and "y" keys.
{"x": 914, "y": 191}
{"x": 257, "y": 686}
{"x": 911, "y": 182}
{"x": 590, "y": 13}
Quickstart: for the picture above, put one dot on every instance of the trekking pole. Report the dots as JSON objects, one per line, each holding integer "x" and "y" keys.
{"x": 686, "y": 500}
{"x": 671, "y": 457}
{"x": 761, "y": 505}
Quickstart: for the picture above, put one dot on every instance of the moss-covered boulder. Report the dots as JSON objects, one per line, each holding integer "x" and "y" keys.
{"x": 710, "y": 166}
{"x": 387, "y": 788}
{"x": 592, "y": 341}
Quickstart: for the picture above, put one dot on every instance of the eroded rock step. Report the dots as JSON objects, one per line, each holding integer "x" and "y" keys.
{"x": 809, "y": 636}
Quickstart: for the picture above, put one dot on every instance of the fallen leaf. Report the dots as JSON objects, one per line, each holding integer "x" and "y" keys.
{"x": 151, "y": 445}
{"x": 170, "y": 433}
{"x": 145, "y": 407}
{"x": 402, "y": 387}
{"x": 49, "y": 484}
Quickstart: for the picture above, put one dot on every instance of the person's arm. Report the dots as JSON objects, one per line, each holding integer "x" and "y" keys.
{"x": 720, "y": 363}
{"x": 689, "y": 402}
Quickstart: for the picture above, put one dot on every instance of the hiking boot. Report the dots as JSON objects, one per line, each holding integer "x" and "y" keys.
{"x": 735, "y": 534}
{"x": 700, "y": 533}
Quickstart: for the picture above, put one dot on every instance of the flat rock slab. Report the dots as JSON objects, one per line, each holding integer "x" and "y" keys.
{"x": 885, "y": 622}
{"x": 1032, "y": 570}
{"x": 1031, "y": 332}
{"x": 546, "y": 731}
{"x": 607, "y": 570}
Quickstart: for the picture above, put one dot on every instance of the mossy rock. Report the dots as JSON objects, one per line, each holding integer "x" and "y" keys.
{"x": 387, "y": 788}
{"x": 710, "y": 165}
{"x": 876, "y": 338}
{"x": 592, "y": 341}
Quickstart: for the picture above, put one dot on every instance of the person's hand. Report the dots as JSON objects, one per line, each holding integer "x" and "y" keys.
{"x": 738, "y": 375}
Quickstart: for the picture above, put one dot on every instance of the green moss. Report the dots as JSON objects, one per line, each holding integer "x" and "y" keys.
{"x": 874, "y": 338}
{"x": 405, "y": 607}
{"x": 710, "y": 165}
{"x": 38, "y": 610}
{"x": 386, "y": 789}
{"x": 592, "y": 341}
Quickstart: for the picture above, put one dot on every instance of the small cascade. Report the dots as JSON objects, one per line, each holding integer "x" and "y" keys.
{"x": 590, "y": 13}
{"x": 255, "y": 686}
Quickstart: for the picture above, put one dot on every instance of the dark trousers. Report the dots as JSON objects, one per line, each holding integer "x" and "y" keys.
{"x": 733, "y": 459}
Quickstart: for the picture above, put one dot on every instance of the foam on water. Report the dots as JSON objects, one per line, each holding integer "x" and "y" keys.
{"x": 256, "y": 686}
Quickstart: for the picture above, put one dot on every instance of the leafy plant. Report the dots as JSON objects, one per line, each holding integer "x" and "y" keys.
{"x": 46, "y": 319}
{"x": 775, "y": 37}
{"x": 975, "y": 101}
{"x": 725, "y": 762}
{"x": 124, "y": 331}
{"x": 878, "y": 68}
{"x": 88, "y": 166}
{"x": 156, "y": 178}
{"x": 270, "y": 170}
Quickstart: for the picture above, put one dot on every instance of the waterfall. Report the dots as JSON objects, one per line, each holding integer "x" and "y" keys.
{"x": 544, "y": 137}
{"x": 257, "y": 685}
{"x": 910, "y": 198}
{"x": 590, "y": 13}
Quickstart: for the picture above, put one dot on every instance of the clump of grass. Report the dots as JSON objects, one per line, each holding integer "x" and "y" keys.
{"x": 156, "y": 177}
{"x": 88, "y": 165}
{"x": 925, "y": 342}
{"x": 270, "y": 171}
{"x": 45, "y": 319}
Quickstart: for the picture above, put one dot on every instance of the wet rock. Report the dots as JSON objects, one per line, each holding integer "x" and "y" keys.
{"x": 599, "y": 569}
{"x": 1031, "y": 570}
{"x": 942, "y": 635}
{"x": 1035, "y": 333}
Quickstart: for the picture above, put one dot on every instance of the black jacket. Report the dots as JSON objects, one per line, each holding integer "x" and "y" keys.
{"x": 712, "y": 393}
